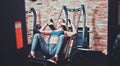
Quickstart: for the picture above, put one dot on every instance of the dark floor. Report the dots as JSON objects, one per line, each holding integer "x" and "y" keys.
{"x": 80, "y": 58}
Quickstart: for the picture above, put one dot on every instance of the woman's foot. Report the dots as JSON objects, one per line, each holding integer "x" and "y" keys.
{"x": 32, "y": 54}
{"x": 53, "y": 60}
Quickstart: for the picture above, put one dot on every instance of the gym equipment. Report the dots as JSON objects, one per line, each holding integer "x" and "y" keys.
{"x": 84, "y": 28}
{"x": 71, "y": 41}
{"x": 35, "y": 27}
{"x": 82, "y": 38}
{"x": 51, "y": 25}
{"x": 79, "y": 37}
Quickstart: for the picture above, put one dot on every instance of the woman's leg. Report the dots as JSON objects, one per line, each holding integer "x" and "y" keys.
{"x": 56, "y": 50}
{"x": 43, "y": 47}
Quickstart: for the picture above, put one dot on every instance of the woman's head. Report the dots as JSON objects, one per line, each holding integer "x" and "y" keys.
{"x": 61, "y": 23}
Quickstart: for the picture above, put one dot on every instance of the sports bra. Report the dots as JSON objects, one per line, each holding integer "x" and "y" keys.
{"x": 57, "y": 33}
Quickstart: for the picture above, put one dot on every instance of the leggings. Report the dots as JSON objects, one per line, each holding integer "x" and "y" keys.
{"x": 47, "y": 49}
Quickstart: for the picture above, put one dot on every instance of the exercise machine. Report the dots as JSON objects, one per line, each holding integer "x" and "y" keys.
{"x": 71, "y": 42}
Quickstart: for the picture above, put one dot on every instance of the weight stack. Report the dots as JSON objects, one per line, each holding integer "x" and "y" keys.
{"x": 79, "y": 41}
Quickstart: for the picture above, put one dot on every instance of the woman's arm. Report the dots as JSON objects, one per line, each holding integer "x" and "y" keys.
{"x": 70, "y": 34}
{"x": 42, "y": 30}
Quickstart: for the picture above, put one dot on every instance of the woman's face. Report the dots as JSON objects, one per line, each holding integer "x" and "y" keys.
{"x": 60, "y": 23}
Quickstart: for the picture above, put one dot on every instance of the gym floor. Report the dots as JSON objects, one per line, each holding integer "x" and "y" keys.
{"x": 79, "y": 58}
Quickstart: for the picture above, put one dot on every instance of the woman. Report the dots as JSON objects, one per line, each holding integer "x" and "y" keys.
{"x": 56, "y": 38}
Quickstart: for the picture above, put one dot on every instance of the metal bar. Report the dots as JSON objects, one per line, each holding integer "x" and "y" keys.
{"x": 35, "y": 18}
{"x": 84, "y": 23}
{"x": 60, "y": 14}
{"x": 66, "y": 14}
{"x": 74, "y": 10}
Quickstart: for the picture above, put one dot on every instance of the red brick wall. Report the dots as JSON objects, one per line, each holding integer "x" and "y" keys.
{"x": 96, "y": 17}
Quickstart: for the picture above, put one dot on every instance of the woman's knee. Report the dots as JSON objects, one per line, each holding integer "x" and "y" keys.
{"x": 62, "y": 36}
{"x": 37, "y": 35}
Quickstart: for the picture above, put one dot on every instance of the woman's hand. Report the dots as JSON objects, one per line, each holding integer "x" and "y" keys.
{"x": 43, "y": 31}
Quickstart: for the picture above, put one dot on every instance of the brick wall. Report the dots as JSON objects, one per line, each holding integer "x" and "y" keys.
{"x": 96, "y": 17}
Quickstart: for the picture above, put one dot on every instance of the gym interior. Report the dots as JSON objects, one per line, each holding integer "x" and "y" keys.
{"x": 96, "y": 22}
